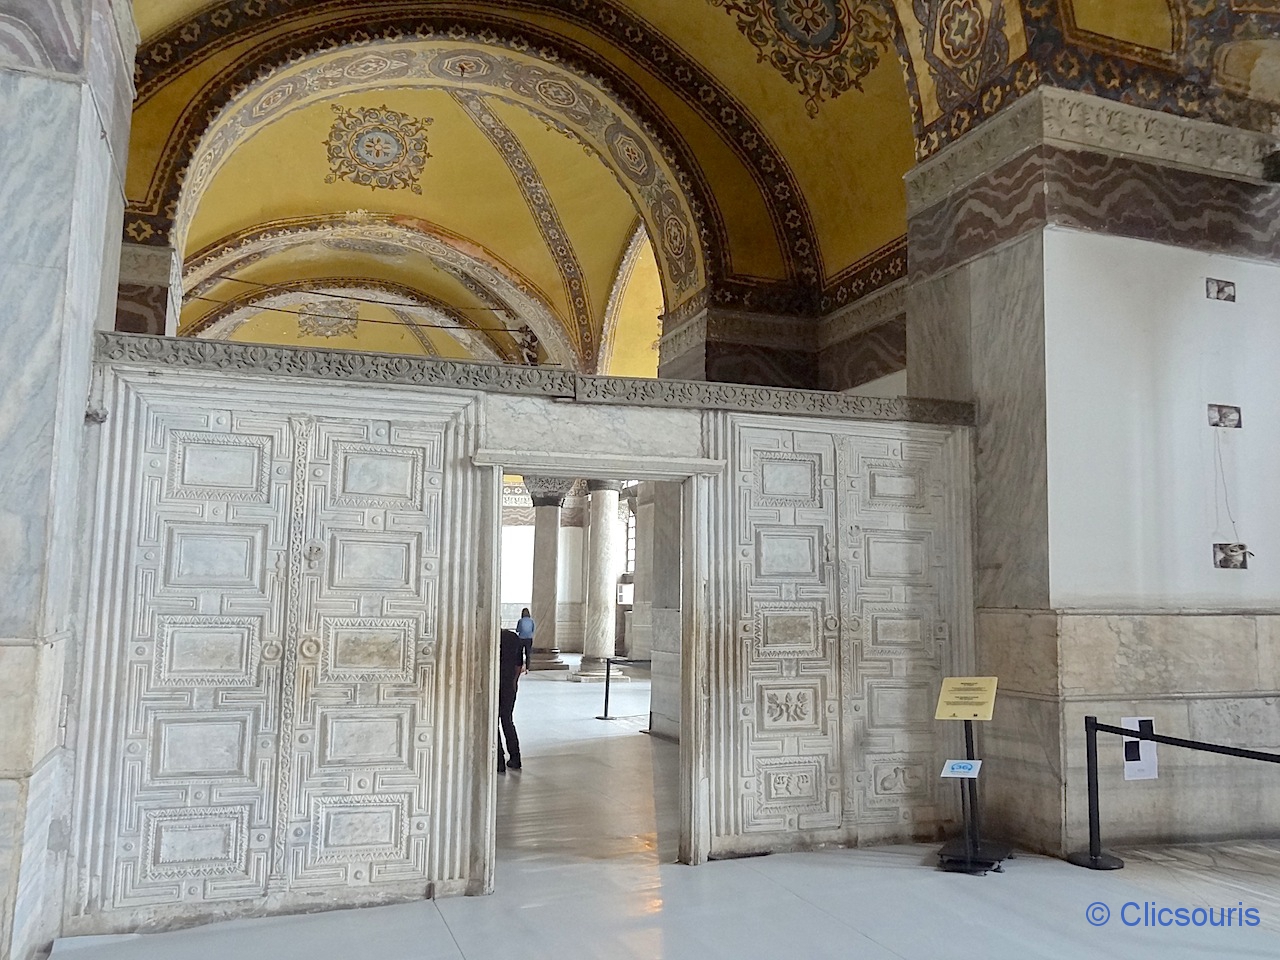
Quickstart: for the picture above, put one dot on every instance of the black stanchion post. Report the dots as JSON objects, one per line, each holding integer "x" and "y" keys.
{"x": 608, "y": 672}
{"x": 971, "y": 788}
{"x": 1095, "y": 859}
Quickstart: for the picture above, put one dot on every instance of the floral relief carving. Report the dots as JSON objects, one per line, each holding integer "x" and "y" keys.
{"x": 790, "y": 707}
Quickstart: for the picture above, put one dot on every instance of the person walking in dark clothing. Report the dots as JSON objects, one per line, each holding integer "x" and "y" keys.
{"x": 514, "y": 655}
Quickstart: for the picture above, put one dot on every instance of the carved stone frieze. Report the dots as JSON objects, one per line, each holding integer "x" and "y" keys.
{"x": 730, "y": 396}
{"x": 1073, "y": 119}
{"x": 343, "y": 365}
{"x": 333, "y": 365}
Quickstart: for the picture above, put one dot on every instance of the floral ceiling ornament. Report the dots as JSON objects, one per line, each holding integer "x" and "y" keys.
{"x": 825, "y": 47}
{"x": 378, "y": 148}
{"x": 328, "y": 318}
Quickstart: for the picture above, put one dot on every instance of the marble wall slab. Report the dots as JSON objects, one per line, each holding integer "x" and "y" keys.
{"x": 865, "y": 356}
{"x": 1203, "y": 677}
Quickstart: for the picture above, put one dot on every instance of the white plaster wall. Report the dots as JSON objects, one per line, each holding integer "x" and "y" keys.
{"x": 517, "y": 565}
{"x": 569, "y": 576}
{"x": 1133, "y": 357}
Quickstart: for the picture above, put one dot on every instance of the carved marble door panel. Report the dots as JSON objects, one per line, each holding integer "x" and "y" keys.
{"x": 259, "y": 708}
{"x": 185, "y": 726}
{"x": 898, "y": 559}
{"x": 790, "y": 741}
{"x": 355, "y": 708}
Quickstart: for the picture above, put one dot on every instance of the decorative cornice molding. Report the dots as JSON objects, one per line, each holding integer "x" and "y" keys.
{"x": 740, "y": 397}
{"x": 864, "y": 315}
{"x": 343, "y": 365}
{"x": 348, "y": 365}
{"x": 1068, "y": 118}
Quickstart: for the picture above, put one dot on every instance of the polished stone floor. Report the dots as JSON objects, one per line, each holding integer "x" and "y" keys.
{"x": 586, "y": 837}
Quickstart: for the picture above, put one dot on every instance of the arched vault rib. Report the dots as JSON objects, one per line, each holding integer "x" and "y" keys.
{"x": 510, "y": 297}
{"x": 411, "y": 307}
{"x": 226, "y": 23}
{"x": 547, "y": 89}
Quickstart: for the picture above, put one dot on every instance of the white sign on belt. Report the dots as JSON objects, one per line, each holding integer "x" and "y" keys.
{"x": 962, "y": 769}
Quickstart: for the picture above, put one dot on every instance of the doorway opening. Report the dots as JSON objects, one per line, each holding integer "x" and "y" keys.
{"x": 598, "y": 566}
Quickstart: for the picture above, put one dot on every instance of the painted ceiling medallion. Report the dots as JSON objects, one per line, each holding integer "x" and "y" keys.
{"x": 328, "y": 318}
{"x": 376, "y": 147}
{"x": 825, "y": 47}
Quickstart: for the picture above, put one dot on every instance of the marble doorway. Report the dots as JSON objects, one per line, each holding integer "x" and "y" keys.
{"x": 681, "y": 563}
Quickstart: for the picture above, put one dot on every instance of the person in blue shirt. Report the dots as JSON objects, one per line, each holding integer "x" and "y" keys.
{"x": 524, "y": 626}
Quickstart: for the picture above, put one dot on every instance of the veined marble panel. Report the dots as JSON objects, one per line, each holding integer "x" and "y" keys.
{"x": 938, "y": 337}
{"x": 870, "y": 355}
{"x": 1151, "y": 655}
{"x": 1007, "y": 346}
{"x": 43, "y": 34}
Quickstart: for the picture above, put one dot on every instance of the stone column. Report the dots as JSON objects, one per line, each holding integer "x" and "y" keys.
{"x": 548, "y": 495}
{"x": 65, "y": 107}
{"x": 1066, "y": 259}
{"x": 640, "y": 633}
{"x": 602, "y": 580}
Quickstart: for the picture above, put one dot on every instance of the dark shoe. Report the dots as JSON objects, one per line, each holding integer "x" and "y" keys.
{"x": 513, "y": 764}
{"x": 502, "y": 768}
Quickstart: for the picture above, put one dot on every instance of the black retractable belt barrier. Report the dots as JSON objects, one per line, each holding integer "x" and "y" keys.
{"x": 608, "y": 673}
{"x": 1095, "y": 859}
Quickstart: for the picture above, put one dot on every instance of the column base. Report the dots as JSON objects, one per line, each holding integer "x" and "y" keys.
{"x": 592, "y": 670}
{"x": 546, "y": 660}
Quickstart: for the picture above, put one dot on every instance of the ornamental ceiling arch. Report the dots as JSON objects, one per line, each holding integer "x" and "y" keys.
{"x": 420, "y": 315}
{"x": 495, "y": 298}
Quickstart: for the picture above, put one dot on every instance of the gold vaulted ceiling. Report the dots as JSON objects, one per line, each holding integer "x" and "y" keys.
{"x": 559, "y": 137}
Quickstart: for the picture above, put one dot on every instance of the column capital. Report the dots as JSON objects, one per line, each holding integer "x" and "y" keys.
{"x": 596, "y": 485}
{"x": 548, "y": 491}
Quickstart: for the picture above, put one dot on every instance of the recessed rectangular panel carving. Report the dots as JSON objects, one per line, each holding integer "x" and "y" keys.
{"x": 368, "y": 561}
{"x": 904, "y": 556}
{"x": 901, "y": 704}
{"x": 200, "y": 747}
{"x": 890, "y": 485}
{"x": 790, "y": 707}
{"x": 789, "y": 552}
{"x": 786, "y": 630}
{"x": 378, "y": 476}
{"x": 901, "y": 777}
{"x": 216, "y": 555}
{"x": 787, "y": 479}
{"x": 362, "y": 738}
{"x": 192, "y": 842}
{"x": 360, "y": 829}
{"x": 207, "y": 651}
{"x": 368, "y": 649}
{"x": 218, "y": 466}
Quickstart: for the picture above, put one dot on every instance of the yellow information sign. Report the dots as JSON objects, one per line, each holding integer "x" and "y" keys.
{"x": 966, "y": 698}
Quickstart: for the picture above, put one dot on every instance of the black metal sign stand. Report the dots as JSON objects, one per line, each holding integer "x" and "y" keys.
{"x": 969, "y": 854}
